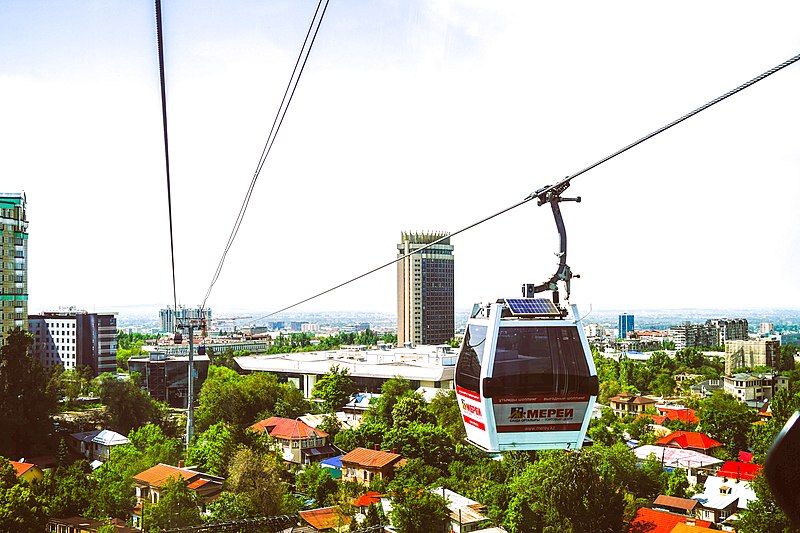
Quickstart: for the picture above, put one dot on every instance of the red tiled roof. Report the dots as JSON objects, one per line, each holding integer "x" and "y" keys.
{"x": 745, "y": 457}
{"x": 370, "y": 458}
{"x": 684, "y": 415}
{"x": 686, "y": 528}
{"x": 678, "y": 503}
{"x": 365, "y": 500}
{"x": 689, "y": 439}
{"x": 325, "y": 518}
{"x": 21, "y": 468}
{"x": 737, "y": 470}
{"x": 287, "y": 428}
{"x": 652, "y": 521}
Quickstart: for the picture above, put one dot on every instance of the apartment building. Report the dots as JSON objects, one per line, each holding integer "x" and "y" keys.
{"x": 170, "y": 317}
{"x": 13, "y": 263}
{"x": 750, "y": 353}
{"x": 75, "y": 338}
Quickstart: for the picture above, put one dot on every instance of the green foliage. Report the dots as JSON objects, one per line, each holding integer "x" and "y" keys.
{"x": 127, "y": 406}
{"x": 20, "y": 508}
{"x": 242, "y": 400}
{"x": 178, "y": 506}
{"x": 330, "y": 425}
{"x": 417, "y": 510}
{"x": 444, "y": 407}
{"x": 430, "y": 443}
{"x": 726, "y": 419}
{"x": 677, "y": 483}
{"x": 27, "y": 398}
{"x": 256, "y": 475}
{"x": 316, "y": 482}
{"x": 391, "y": 391}
{"x": 67, "y": 490}
{"x": 565, "y": 492}
{"x": 334, "y": 388}
{"x": 763, "y": 515}
{"x": 411, "y": 408}
{"x": 211, "y": 449}
{"x": 231, "y": 506}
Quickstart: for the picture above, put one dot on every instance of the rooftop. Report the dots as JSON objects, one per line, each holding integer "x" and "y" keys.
{"x": 370, "y": 458}
{"x": 158, "y": 476}
{"x": 677, "y": 503}
{"x": 739, "y": 470}
{"x": 20, "y": 468}
{"x": 630, "y": 398}
{"x": 676, "y": 457}
{"x": 689, "y": 439}
{"x": 720, "y": 493}
{"x": 287, "y": 428}
{"x": 325, "y": 518}
{"x": 653, "y": 521}
{"x": 104, "y": 437}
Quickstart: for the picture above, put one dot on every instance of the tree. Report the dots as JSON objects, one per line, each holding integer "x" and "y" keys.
{"x": 334, "y": 388}
{"x": 564, "y": 491}
{"x": 763, "y": 515}
{"x": 444, "y": 407}
{"x": 430, "y": 443}
{"x": 727, "y": 420}
{"x": 417, "y": 510}
{"x": 20, "y": 509}
{"x": 177, "y": 506}
{"x": 26, "y": 400}
{"x": 127, "y": 406}
{"x": 257, "y": 474}
{"x": 391, "y": 391}
{"x": 330, "y": 425}
{"x": 677, "y": 483}
{"x": 316, "y": 482}
{"x": 68, "y": 490}
{"x": 211, "y": 449}
{"x": 231, "y": 506}
{"x": 411, "y": 408}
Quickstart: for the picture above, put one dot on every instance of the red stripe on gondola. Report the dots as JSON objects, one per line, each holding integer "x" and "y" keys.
{"x": 475, "y": 423}
{"x": 468, "y": 393}
{"x": 544, "y": 398}
{"x": 535, "y": 428}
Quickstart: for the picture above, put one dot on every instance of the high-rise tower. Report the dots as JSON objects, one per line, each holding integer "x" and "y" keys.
{"x": 13, "y": 263}
{"x": 425, "y": 312}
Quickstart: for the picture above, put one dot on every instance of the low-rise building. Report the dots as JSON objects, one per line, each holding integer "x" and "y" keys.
{"x": 297, "y": 441}
{"x": 363, "y": 465}
{"x": 676, "y": 505}
{"x": 27, "y": 471}
{"x": 722, "y": 497}
{"x": 754, "y": 388}
{"x": 630, "y": 404}
{"x": 695, "y": 463}
{"x": 466, "y": 515}
{"x": 739, "y": 470}
{"x": 166, "y": 378}
{"x": 96, "y": 444}
{"x": 706, "y": 388}
{"x": 152, "y": 481}
{"x": 326, "y": 519}
{"x": 689, "y": 440}
{"x": 654, "y": 521}
{"x": 423, "y": 366}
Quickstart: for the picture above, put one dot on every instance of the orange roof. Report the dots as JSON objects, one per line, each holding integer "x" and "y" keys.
{"x": 287, "y": 428}
{"x": 21, "y": 468}
{"x": 652, "y": 521}
{"x": 370, "y": 458}
{"x": 684, "y": 415}
{"x": 158, "y": 475}
{"x": 689, "y": 439}
{"x": 673, "y": 501}
{"x": 365, "y": 500}
{"x": 325, "y": 518}
{"x": 686, "y": 528}
{"x": 197, "y": 483}
{"x": 737, "y": 470}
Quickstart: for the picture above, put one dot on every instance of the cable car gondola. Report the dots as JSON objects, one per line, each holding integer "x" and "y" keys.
{"x": 525, "y": 378}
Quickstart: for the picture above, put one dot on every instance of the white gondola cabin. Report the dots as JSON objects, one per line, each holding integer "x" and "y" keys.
{"x": 525, "y": 378}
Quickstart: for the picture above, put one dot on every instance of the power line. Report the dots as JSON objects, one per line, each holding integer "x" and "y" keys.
{"x": 542, "y": 193}
{"x": 160, "y": 44}
{"x": 286, "y": 100}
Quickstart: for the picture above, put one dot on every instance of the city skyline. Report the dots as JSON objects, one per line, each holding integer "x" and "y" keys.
{"x": 535, "y": 113}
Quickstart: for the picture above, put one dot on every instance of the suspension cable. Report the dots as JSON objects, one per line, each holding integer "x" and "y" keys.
{"x": 160, "y": 44}
{"x": 288, "y": 94}
{"x": 557, "y": 187}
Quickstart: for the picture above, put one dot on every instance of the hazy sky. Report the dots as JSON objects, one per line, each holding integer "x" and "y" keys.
{"x": 411, "y": 115}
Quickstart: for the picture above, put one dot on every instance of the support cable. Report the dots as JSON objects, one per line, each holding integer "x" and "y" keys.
{"x": 160, "y": 44}
{"x": 542, "y": 194}
{"x": 286, "y": 100}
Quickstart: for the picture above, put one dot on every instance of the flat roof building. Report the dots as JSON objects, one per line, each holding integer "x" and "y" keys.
{"x": 166, "y": 378}
{"x": 76, "y": 338}
{"x": 423, "y": 366}
{"x": 13, "y": 263}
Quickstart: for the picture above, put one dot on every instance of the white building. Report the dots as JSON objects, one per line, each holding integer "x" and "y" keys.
{"x": 423, "y": 366}
{"x": 722, "y": 497}
{"x": 754, "y": 387}
{"x": 309, "y": 328}
{"x": 75, "y": 338}
{"x": 96, "y": 444}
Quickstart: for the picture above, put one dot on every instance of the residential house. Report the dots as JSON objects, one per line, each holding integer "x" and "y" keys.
{"x": 299, "y": 443}
{"x": 96, "y": 445}
{"x": 705, "y": 388}
{"x": 326, "y": 519}
{"x": 722, "y": 497}
{"x": 346, "y": 420}
{"x": 27, "y": 471}
{"x": 754, "y": 389}
{"x": 630, "y": 404}
{"x": 654, "y": 521}
{"x": 359, "y": 404}
{"x": 79, "y": 524}
{"x": 689, "y": 440}
{"x": 739, "y": 470}
{"x": 675, "y": 412}
{"x": 363, "y": 465}
{"x": 676, "y": 505}
{"x": 151, "y": 482}
{"x": 466, "y": 515}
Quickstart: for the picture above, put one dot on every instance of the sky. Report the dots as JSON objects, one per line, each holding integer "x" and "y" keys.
{"x": 411, "y": 115}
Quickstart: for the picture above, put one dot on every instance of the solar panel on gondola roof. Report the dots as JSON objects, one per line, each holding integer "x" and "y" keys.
{"x": 532, "y": 307}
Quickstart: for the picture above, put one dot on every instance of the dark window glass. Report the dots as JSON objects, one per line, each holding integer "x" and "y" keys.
{"x": 468, "y": 368}
{"x": 538, "y": 360}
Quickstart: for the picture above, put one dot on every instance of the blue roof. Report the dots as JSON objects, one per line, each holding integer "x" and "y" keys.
{"x": 335, "y": 462}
